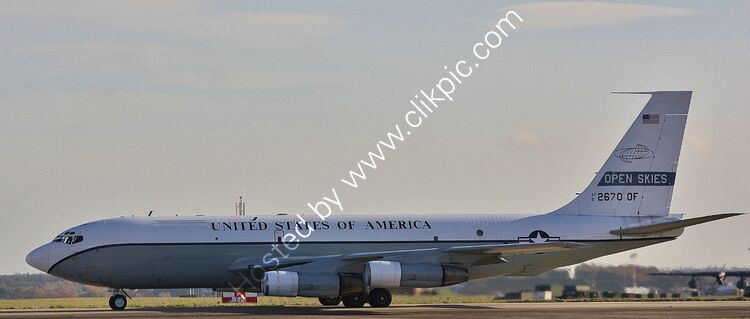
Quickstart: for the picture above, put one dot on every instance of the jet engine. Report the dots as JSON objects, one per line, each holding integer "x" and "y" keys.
{"x": 391, "y": 274}
{"x": 692, "y": 284}
{"x": 288, "y": 283}
{"x": 741, "y": 284}
{"x": 720, "y": 278}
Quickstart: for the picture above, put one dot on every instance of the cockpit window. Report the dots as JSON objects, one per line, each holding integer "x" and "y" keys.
{"x": 68, "y": 238}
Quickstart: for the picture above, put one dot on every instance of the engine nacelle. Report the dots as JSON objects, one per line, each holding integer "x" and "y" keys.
{"x": 392, "y": 274}
{"x": 692, "y": 284}
{"x": 741, "y": 284}
{"x": 720, "y": 278}
{"x": 288, "y": 283}
{"x": 280, "y": 283}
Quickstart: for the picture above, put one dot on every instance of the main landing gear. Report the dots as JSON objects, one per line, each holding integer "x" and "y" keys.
{"x": 377, "y": 298}
{"x": 354, "y": 301}
{"x": 380, "y": 298}
{"x": 333, "y": 301}
{"x": 119, "y": 299}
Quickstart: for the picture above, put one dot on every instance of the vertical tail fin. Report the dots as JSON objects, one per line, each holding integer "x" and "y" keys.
{"x": 638, "y": 177}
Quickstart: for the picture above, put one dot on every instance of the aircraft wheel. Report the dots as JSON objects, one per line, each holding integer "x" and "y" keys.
{"x": 380, "y": 298}
{"x": 354, "y": 301}
{"x": 118, "y": 302}
{"x": 333, "y": 301}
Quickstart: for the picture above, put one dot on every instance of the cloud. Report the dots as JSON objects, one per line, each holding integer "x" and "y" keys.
{"x": 700, "y": 143}
{"x": 264, "y": 29}
{"x": 525, "y": 136}
{"x": 150, "y": 66}
{"x": 573, "y": 14}
{"x": 186, "y": 20}
{"x": 132, "y": 46}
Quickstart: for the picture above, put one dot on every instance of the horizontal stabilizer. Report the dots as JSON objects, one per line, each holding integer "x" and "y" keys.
{"x": 661, "y": 227}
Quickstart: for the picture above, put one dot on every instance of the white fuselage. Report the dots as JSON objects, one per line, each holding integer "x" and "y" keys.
{"x": 154, "y": 252}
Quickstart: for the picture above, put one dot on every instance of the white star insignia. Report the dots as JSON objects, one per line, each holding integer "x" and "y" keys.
{"x": 538, "y": 238}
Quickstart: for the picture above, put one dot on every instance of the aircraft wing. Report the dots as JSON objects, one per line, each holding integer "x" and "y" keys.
{"x": 691, "y": 274}
{"x": 515, "y": 249}
{"x": 703, "y": 273}
{"x": 473, "y": 255}
{"x": 737, "y": 273}
{"x": 667, "y": 226}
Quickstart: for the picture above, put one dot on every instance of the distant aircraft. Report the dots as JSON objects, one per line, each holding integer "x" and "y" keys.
{"x": 719, "y": 276}
{"x": 357, "y": 258}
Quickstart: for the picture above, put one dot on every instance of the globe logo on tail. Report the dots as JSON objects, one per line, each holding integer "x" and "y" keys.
{"x": 638, "y": 152}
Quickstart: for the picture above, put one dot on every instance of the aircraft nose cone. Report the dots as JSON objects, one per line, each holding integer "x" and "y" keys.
{"x": 39, "y": 258}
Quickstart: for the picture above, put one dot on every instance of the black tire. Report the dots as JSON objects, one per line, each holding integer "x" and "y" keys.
{"x": 354, "y": 301}
{"x": 332, "y": 301}
{"x": 118, "y": 302}
{"x": 380, "y": 298}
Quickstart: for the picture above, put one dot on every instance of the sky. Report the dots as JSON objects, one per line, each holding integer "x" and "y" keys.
{"x": 114, "y": 108}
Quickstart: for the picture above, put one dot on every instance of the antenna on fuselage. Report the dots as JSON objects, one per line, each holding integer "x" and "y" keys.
{"x": 239, "y": 207}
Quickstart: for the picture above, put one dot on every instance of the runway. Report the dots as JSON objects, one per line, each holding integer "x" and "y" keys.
{"x": 577, "y": 310}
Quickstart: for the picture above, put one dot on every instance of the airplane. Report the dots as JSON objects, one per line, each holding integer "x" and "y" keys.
{"x": 719, "y": 276}
{"x": 356, "y": 259}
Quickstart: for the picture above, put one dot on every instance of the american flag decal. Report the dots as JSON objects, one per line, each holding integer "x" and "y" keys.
{"x": 651, "y": 119}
